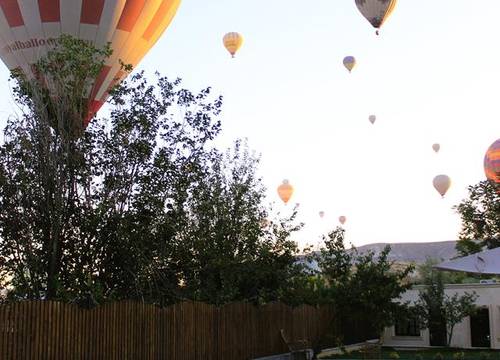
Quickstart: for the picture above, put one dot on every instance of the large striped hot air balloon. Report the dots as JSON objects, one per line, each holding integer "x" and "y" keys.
{"x": 376, "y": 11}
{"x": 492, "y": 162}
{"x": 30, "y": 28}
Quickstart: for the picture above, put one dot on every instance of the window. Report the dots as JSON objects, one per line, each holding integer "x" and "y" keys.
{"x": 407, "y": 327}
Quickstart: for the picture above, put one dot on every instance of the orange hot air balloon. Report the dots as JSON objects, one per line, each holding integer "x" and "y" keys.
{"x": 285, "y": 191}
{"x": 492, "y": 163}
{"x": 232, "y": 42}
{"x": 342, "y": 219}
{"x": 442, "y": 183}
{"x": 29, "y": 29}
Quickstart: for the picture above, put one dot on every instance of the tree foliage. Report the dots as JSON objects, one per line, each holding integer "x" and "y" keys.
{"x": 480, "y": 215}
{"x": 139, "y": 206}
{"x": 362, "y": 283}
{"x": 434, "y": 307}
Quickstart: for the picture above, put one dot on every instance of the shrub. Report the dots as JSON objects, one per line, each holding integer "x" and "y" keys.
{"x": 419, "y": 357}
{"x": 438, "y": 356}
{"x": 459, "y": 355}
{"x": 393, "y": 355}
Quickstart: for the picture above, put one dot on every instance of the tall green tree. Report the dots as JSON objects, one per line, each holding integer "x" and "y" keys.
{"x": 138, "y": 206}
{"x": 480, "y": 215}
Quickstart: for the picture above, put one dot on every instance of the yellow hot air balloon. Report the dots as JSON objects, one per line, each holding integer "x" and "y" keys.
{"x": 232, "y": 42}
{"x": 349, "y": 62}
{"x": 376, "y": 11}
{"x": 372, "y": 118}
{"x": 31, "y": 28}
{"x": 321, "y": 214}
{"x": 436, "y": 147}
{"x": 442, "y": 183}
{"x": 285, "y": 191}
{"x": 342, "y": 219}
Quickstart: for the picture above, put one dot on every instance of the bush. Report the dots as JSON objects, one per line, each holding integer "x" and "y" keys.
{"x": 438, "y": 356}
{"x": 419, "y": 357}
{"x": 459, "y": 355}
{"x": 393, "y": 355}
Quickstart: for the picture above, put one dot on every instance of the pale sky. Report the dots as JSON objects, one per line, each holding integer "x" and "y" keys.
{"x": 432, "y": 75}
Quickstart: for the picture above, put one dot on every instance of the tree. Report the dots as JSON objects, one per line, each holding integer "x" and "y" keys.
{"x": 426, "y": 271}
{"x": 139, "y": 206}
{"x": 480, "y": 215}
{"x": 362, "y": 284}
{"x": 435, "y": 308}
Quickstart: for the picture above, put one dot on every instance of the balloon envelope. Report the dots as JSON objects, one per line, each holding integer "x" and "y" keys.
{"x": 30, "y": 29}
{"x": 442, "y": 183}
{"x": 492, "y": 162}
{"x": 349, "y": 62}
{"x": 321, "y": 214}
{"x": 376, "y": 11}
{"x": 232, "y": 42}
{"x": 372, "y": 118}
{"x": 436, "y": 147}
{"x": 285, "y": 191}
{"x": 342, "y": 219}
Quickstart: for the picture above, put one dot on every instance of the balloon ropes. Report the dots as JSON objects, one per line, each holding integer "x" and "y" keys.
{"x": 29, "y": 29}
{"x": 376, "y": 11}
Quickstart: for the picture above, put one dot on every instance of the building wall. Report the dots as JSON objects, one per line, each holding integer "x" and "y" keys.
{"x": 488, "y": 296}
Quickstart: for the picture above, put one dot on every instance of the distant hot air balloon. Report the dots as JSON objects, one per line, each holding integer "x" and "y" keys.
{"x": 30, "y": 29}
{"x": 372, "y": 118}
{"x": 285, "y": 191}
{"x": 349, "y": 62}
{"x": 442, "y": 183}
{"x": 321, "y": 214}
{"x": 436, "y": 147}
{"x": 342, "y": 219}
{"x": 376, "y": 11}
{"x": 232, "y": 42}
{"x": 492, "y": 162}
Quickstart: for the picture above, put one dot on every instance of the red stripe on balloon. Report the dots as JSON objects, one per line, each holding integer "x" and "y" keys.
{"x": 130, "y": 14}
{"x": 99, "y": 80}
{"x": 118, "y": 77}
{"x": 12, "y": 12}
{"x": 91, "y": 11}
{"x": 50, "y": 10}
{"x": 93, "y": 106}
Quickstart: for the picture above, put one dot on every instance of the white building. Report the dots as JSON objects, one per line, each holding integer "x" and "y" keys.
{"x": 480, "y": 330}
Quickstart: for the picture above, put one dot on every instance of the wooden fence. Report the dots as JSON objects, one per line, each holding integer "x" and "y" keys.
{"x": 128, "y": 330}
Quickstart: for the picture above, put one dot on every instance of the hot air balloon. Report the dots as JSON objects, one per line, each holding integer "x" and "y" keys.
{"x": 30, "y": 29}
{"x": 342, "y": 219}
{"x": 321, "y": 214}
{"x": 492, "y": 162}
{"x": 232, "y": 42}
{"x": 376, "y": 11}
{"x": 442, "y": 183}
{"x": 285, "y": 191}
{"x": 372, "y": 118}
{"x": 436, "y": 147}
{"x": 349, "y": 62}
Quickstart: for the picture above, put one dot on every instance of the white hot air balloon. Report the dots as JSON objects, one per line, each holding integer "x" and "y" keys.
{"x": 342, "y": 219}
{"x": 436, "y": 147}
{"x": 322, "y": 214}
{"x": 372, "y": 118}
{"x": 442, "y": 183}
